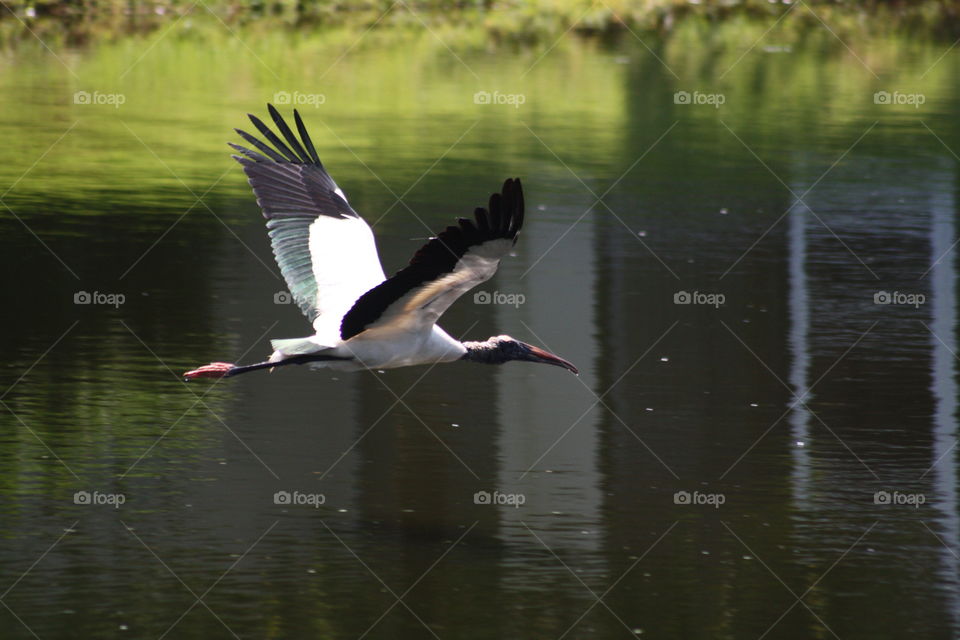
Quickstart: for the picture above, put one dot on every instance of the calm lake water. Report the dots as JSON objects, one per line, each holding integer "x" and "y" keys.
{"x": 776, "y": 459}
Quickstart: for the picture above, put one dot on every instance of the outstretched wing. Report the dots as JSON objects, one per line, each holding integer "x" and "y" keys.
{"x": 445, "y": 268}
{"x": 325, "y": 250}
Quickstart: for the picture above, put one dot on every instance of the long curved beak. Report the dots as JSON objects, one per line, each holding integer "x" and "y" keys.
{"x": 536, "y": 354}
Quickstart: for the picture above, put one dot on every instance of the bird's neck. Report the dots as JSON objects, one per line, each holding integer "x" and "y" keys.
{"x": 486, "y": 352}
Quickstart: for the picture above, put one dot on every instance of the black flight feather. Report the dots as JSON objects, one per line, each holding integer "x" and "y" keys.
{"x": 288, "y": 178}
{"x": 440, "y": 256}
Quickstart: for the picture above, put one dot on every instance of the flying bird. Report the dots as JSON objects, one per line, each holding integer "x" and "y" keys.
{"x": 327, "y": 255}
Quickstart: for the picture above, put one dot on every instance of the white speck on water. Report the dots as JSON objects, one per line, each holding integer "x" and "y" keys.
{"x": 801, "y": 443}
{"x": 649, "y": 409}
{"x": 541, "y": 207}
{"x": 123, "y": 627}
{"x": 754, "y": 404}
{"x": 747, "y": 557}
{"x": 341, "y": 510}
{"x": 705, "y": 552}
{"x": 664, "y": 359}
{"x": 311, "y": 570}
{"x": 454, "y": 424}
{"x": 380, "y": 371}
{"x": 724, "y": 211}
{"x": 642, "y": 234}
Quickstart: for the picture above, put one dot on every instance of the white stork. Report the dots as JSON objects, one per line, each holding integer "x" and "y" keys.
{"x": 327, "y": 255}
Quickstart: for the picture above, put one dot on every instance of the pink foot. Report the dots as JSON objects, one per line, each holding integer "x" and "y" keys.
{"x": 212, "y": 370}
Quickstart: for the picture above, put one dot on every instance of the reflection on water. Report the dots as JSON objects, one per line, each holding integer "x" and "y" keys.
{"x": 794, "y": 403}
{"x": 943, "y": 289}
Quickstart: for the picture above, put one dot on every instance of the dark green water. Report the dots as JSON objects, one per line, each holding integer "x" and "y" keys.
{"x": 632, "y": 198}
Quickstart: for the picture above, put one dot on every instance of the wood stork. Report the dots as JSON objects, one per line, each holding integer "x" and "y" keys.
{"x": 327, "y": 255}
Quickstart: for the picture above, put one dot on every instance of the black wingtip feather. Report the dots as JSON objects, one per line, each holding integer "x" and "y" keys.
{"x": 274, "y": 140}
{"x": 291, "y": 139}
{"x": 287, "y": 178}
{"x": 270, "y": 153}
{"x": 305, "y": 137}
{"x": 289, "y": 149}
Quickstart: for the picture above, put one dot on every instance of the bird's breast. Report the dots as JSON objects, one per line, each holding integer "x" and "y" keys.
{"x": 391, "y": 347}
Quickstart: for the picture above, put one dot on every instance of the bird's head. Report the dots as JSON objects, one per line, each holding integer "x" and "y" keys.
{"x": 499, "y": 349}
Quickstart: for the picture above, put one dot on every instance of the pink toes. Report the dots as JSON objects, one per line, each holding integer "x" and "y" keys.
{"x": 212, "y": 370}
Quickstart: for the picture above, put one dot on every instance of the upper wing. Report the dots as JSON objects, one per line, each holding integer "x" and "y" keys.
{"x": 445, "y": 268}
{"x": 325, "y": 250}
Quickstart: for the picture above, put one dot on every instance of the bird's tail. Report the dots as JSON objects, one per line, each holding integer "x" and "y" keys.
{"x": 290, "y": 347}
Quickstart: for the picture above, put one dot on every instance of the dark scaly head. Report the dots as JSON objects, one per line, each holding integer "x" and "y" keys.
{"x": 500, "y": 349}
